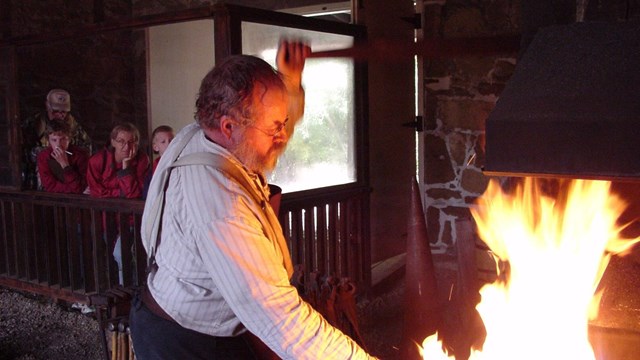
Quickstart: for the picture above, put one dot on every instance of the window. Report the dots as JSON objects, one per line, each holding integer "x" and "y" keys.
{"x": 322, "y": 151}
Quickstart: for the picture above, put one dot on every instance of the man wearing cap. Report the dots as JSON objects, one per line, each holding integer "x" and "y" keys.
{"x": 58, "y": 107}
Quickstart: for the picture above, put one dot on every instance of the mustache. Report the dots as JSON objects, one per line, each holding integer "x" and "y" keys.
{"x": 277, "y": 150}
{"x": 279, "y": 147}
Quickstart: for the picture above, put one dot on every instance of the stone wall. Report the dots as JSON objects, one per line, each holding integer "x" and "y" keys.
{"x": 459, "y": 95}
{"x": 461, "y": 92}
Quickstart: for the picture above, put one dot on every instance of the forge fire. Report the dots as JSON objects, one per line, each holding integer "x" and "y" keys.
{"x": 557, "y": 239}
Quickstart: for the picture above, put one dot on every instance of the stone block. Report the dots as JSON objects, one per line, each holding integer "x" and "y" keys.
{"x": 490, "y": 88}
{"x": 430, "y": 110}
{"x": 478, "y": 148}
{"x": 447, "y": 235}
{"x": 458, "y": 212}
{"x": 434, "y": 68}
{"x": 457, "y": 143}
{"x": 502, "y": 70}
{"x": 433, "y": 224}
{"x": 432, "y": 18}
{"x": 464, "y": 114}
{"x": 443, "y": 194}
{"x": 503, "y": 16}
{"x": 464, "y": 21}
{"x": 474, "y": 181}
{"x": 438, "y": 168}
{"x": 472, "y": 70}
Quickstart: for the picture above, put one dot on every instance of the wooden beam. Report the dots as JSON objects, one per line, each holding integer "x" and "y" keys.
{"x": 5, "y": 19}
{"x": 98, "y": 11}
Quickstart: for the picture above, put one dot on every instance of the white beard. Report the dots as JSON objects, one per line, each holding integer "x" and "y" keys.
{"x": 253, "y": 161}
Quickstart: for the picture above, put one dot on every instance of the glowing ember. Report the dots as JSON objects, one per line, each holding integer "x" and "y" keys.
{"x": 557, "y": 249}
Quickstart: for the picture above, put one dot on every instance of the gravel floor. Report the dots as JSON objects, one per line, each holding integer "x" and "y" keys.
{"x": 34, "y": 328}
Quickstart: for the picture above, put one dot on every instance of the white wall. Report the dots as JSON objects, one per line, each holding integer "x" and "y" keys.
{"x": 179, "y": 56}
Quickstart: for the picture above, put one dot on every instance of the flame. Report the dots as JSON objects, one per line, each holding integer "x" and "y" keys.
{"x": 557, "y": 248}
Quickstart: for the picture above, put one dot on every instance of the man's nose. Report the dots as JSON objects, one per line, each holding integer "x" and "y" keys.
{"x": 281, "y": 136}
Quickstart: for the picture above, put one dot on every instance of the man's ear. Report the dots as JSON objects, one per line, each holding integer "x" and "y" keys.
{"x": 226, "y": 126}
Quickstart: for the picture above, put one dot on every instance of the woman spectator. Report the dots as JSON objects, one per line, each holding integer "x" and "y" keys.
{"x": 118, "y": 170}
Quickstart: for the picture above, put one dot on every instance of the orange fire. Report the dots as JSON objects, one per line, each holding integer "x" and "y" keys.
{"x": 558, "y": 248}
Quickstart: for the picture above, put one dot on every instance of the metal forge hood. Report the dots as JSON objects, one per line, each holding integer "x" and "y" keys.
{"x": 572, "y": 106}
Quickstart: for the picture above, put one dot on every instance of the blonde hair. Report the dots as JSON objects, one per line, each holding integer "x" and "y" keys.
{"x": 126, "y": 127}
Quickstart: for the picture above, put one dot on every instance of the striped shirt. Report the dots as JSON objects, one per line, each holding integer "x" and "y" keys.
{"x": 218, "y": 272}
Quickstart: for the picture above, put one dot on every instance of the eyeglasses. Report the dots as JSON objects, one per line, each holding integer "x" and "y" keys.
{"x": 123, "y": 142}
{"x": 274, "y": 132}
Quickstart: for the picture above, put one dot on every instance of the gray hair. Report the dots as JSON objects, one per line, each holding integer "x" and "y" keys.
{"x": 227, "y": 89}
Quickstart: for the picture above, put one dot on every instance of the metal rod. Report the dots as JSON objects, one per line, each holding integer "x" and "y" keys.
{"x": 390, "y": 49}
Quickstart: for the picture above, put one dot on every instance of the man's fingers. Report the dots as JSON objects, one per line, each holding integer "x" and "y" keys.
{"x": 292, "y": 53}
{"x": 299, "y": 50}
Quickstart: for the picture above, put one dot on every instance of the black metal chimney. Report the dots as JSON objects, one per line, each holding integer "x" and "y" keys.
{"x": 572, "y": 106}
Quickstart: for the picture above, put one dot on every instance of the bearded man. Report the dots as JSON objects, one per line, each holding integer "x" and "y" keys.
{"x": 219, "y": 263}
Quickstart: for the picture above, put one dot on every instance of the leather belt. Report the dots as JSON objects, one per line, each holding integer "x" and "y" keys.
{"x": 152, "y": 305}
{"x": 260, "y": 350}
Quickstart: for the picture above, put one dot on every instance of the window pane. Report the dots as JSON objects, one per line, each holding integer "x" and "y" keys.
{"x": 322, "y": 151}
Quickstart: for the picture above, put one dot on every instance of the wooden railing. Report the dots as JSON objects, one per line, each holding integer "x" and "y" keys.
{"x": 61, "y": 245}
{"x": 328, "y": 232}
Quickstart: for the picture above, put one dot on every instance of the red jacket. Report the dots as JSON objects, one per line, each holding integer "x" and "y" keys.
{"x": 70, "y": 180}
{"x": 107, "y": 179}
{"x": 155, "y": 164}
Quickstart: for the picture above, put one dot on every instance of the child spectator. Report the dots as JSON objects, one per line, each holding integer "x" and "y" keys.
{"x": 62, "y": 167}
{"x": 160, "y": 139}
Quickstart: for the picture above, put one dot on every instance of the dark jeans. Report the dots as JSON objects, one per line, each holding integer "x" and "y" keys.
{"x": 155, "y": 338}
